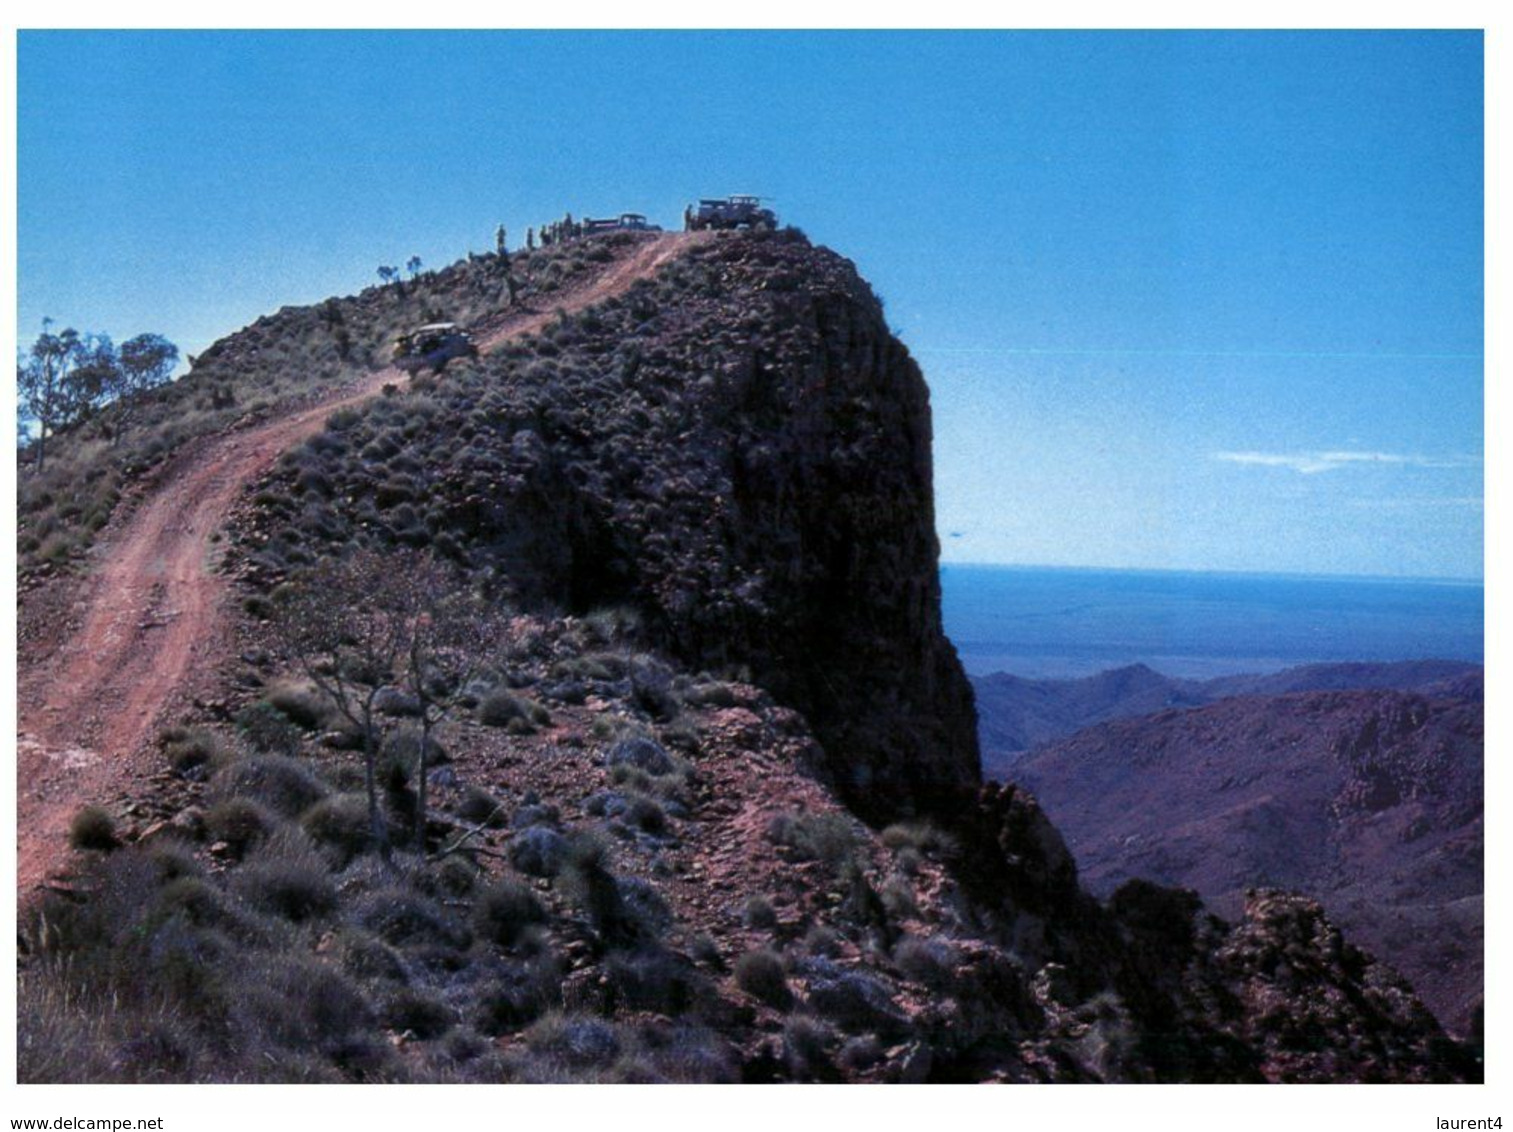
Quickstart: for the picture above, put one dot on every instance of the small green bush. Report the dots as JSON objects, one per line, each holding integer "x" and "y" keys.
{"x": 759, "y": 914}
{"x": 93, "y": 828}
{"x": 504, "y": 910}
{"x": 761, "y": 975}
{"x": 404, "y": 918}
{"x": 268, "y": 729}
{"x": 303, "y": 705}
{"x": 501, "y": 708}
{"x": 581, "y": 1043}
{"x": 340, "y": 823}
{"x": 281, "y": 784}
{"x": 827, "y": 838}
{"x": 296, "y": 889}
{"x": 922, "y": 836}
{"x": 421, "y": 1014}
{"x": 481, "y": 808}
{"x": 928, "y": 962}
{"x": 240, "y": 822}
{"x": 191, "y": 752}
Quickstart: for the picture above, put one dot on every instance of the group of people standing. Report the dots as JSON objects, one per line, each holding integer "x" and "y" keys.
{"x": 556, "y": 232}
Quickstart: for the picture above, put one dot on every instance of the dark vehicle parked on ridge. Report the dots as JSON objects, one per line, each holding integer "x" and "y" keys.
{"x": 737, "y": 211}
{"x": 625, "y": 222}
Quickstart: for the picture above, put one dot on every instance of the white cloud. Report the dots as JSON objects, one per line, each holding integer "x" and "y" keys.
{"x": 1311, "y": 463}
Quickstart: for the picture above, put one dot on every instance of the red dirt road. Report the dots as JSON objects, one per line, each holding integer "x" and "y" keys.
{"x": 154, "y": 614}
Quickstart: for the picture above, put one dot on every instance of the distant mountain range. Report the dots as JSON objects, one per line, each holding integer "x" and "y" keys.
{"x": 1016, "y": 714}
{"x": 1318, "y": 780}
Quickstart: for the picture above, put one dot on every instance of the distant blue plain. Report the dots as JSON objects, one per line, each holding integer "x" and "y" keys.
{"x": 1050, "y": 623}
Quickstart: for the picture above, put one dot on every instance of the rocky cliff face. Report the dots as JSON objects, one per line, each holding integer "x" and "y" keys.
{"x": 740, "y": 450}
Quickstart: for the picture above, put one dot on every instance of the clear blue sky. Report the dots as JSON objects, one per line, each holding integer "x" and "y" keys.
{"x": 1184, "y": 300}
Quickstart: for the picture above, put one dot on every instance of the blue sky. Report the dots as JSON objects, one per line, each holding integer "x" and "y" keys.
{"x": 1200, "y": 301}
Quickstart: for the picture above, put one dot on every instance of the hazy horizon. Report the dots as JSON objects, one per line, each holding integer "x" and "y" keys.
{"x": 1049, "y": 622}
{"x": 1426, "y": 579}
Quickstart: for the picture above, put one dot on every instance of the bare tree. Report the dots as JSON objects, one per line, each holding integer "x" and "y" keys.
{"x": 372, "y": 620}
{"x": 454, "y": 637}
{"x": 348, "y": 624}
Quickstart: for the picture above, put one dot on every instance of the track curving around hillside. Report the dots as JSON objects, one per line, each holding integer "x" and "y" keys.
{"x": 153, "y": 612}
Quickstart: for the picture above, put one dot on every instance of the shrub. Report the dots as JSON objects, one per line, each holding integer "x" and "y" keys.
{"x": 504, "y": 910}
{"x": 240, "y": 822}
{"x": 632, "y": 808}
{"x": 191, "y": 752}
{"x": 93, "y": 828}
{"x": 823, "y": 940}
{"x": 690, "y": 1053}
{"x": 296, "y": 888}
{"x": 759, "y": 914}
{"x": 203, "y": 905}
{"x": 403, "y": 918}
{"x": 365, "y": 956}
{"x": 650, "y": 978}
{"x": 172, "y": 859}
{"x": 761, "y": 975}
{"x": 482, "y": 808}
{"x": 642, "y": 753}
{"x": 295, "y": 1002}
{"x": 301, "y": 704}
{"x": 856, "y": 1002}
{"x": 279, "y": 783}
{"x": 919, "y": 835}
{"x": 826, "y": 838}
{"x": 517, "y": 997}
{"x": 340, "y": 823}
{"x": 268, "y": 729}
{"x": 500, "y": 708}
{"x": 419, "y": 1013}
{"x": 539, "y": 851}
{"x": 705, "y": 950}
{"x": 926, "y": 961}
{"x": 581, "y": 1043}
{"x": 897, "y": 895}
{"x": 806, "y": 1049}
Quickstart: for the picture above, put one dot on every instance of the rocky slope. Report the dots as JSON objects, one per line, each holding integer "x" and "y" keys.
{"x": 699, "y": 520}
{"x": 1369, "y": 801}
{"x": 741, "y": 450}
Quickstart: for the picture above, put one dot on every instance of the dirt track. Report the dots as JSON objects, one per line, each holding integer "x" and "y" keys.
{"x": 152, "y": 609}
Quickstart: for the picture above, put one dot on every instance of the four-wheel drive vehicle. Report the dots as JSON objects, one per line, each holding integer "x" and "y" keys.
{"x": 739, "y": 211}
{"x": 625, "y": 222}
{"x": 433, "y": 346}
